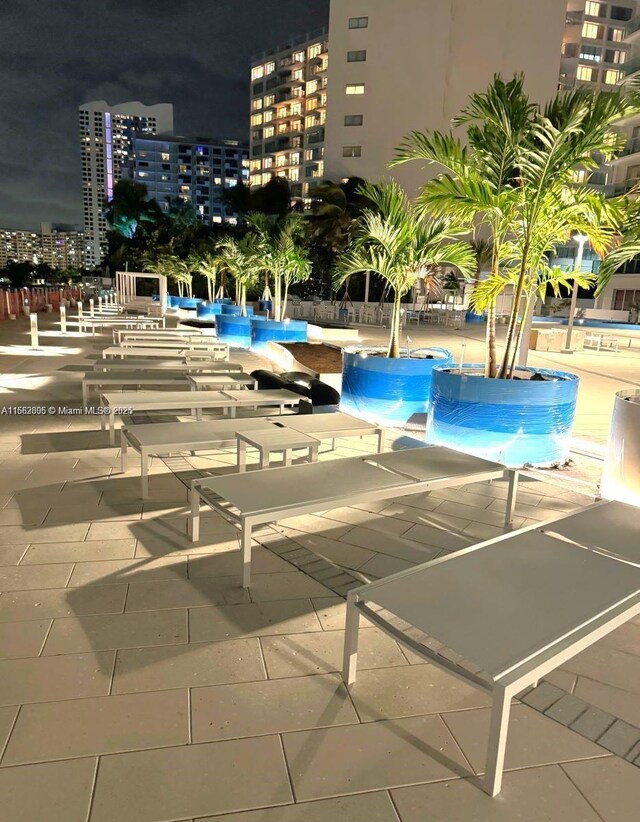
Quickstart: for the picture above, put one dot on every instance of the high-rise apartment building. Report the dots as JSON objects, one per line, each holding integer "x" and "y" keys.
{"x": 193, "y": 170}
{"x": 395, "y": 67}
{"x": 594, "y": 46}
{"x": 106, "y": 139}
{"x": 60, "y": 246}
{"x": 288, "y": 113}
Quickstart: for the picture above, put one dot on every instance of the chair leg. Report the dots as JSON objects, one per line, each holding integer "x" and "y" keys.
{"x": 511, "y": 498}
{"x": 246, "y": 554}
{"x": 352, "y": 624}
{"x": 123, "y": 454}
{"x": 497, "y": 741}
{"x": 194, "y": 519}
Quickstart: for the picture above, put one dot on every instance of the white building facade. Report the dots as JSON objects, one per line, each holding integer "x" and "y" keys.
{"x": 106, "y": 139}
{"x": 60, "y": 246}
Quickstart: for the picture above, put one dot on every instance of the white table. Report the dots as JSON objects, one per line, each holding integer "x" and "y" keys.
{"x": 219, "y": 352}
{"x": 172, "y": 343}
{"x": 186, "y": 364}
{"x": 162, "y": 439}
{"x": 120, "y": 334}
{"x": 260, "y": 497}
{"x": 275, "y": 440}
{"x": 502, "y": 614}
{"x": 120, "y": 379}
{"x": 221, "y": 381}
{"x": 127, "y": 402}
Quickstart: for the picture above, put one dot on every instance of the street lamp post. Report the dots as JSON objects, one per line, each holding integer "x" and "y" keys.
{"x": 581, "y": 239}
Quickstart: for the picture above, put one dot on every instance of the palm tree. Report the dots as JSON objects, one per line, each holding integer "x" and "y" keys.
{"x": 241, "y": 259}
{"x": 518, "y": 178}
{"x": 129, "y": 207}
{"x": 398, "y": 243}
{"x": 207, "y": 264}
{"x": 173, "y": 268}
{"x": 295, "y": 267}
{"x": 277, "y": 241}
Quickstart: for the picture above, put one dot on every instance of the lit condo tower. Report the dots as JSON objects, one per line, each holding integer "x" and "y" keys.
{"x": 106, "y": 137}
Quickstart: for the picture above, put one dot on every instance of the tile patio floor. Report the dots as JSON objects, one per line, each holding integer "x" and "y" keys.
{"x": 140, "y": 683}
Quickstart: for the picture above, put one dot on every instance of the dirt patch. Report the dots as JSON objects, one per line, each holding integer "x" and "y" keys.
{"x": 323, "y": 359}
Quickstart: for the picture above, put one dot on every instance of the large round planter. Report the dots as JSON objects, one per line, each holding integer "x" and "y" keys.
{"x": 621, "y": 475}
{"x": 208, "y": 310}
{"x": 235, "y": 331}
{"x": 388, "y": 391}
{"x": 189, "y": 303}
{"x": 264, "y": 331}
{"x": 474, "y": 319}
{"x": 514, "y": 422}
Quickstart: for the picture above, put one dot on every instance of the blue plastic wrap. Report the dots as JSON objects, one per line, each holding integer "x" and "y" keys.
{"x": 229, "y": 310}
{"x": 209, "y": 310}
{"x": 173, "y": 301}
{"x": 224, "y": 301}
{"x": 264, "y": 331}
{"x": 515, "y": 422}
{"x": 474, "y": 319}
{"x": 266, "y": 305}
{"x": 235, "y": 331}
{"x": 389, "y": 391}
{"x": 189, "y": 302}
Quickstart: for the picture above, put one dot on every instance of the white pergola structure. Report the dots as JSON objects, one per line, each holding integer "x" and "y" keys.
{"x": 126, "y": 285}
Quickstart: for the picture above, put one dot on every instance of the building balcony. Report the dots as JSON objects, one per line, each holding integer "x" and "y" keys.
{"x": 632, "y": 30}
{"x": 574, "y": 18}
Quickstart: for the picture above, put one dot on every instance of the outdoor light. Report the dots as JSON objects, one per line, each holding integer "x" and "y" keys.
{"x": 581, "y": 239}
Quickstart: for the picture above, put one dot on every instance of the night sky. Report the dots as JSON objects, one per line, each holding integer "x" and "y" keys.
{"x": 57, "y": 54}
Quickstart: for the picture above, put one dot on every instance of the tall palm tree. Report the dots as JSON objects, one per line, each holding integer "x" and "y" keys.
{"x": 129, "y": 207}
{"x": 276, "y": 240}
{"x": 240, "y": 258}
{"x": 207, "y": 264}
{"x": 518, "y": 178}
{"x": 398, "y": 243}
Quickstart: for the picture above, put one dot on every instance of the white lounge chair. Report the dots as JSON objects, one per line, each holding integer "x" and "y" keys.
{"x": 162, "y": 439}
{"x": 158, "y": 364}
{"x": 127, "y": 402}
{"x": 502, "y": 614}
{"x": 261, "y": 497}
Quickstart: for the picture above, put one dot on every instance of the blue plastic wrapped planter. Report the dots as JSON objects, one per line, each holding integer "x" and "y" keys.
{"x": 264, "y": 331}
{"x": 173, "y": 301}
{"x": 474, "y": 319}
{"x": 208, "y": 310}
{"x": 190, "y": 303}
{"x": 266, "y": 305}
{"x": 515, "y": 422}
{"x": 388, "y": 391}
{"x": 235, "y": 331}
{"x": 224, "y": 301}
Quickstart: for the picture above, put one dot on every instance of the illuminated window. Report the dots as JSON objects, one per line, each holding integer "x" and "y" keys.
{"x": 612, "y": 77}
{"x": 358, "y": 22}
{"x": 593, "y": 53}
{"x": 591, "y": 31}
{"x": 355, "y": 88}
{"x": 312, "y": 86}
{"x": 314, "y": 50}
{"x": 296, "y": 108}
{"x": 298, "y": 74}
{"x": 256, "y": 105}
{"x": 356, "y": 56}
{"x": 268, "y": 116}
{"x": 616, "y": 35}
{"x": 269, "y": 67}
{"x": 295, "y": 159}
{"x": 164, "y": 156}
{"x": 269, "y": 132}
{"x": 256, "y": 120}
{"x": 594, "y": 9}
{"x": 617, "y": 57}
{"x": 299, "y": 57}
{"x": 580, "y": 175}
{"x": 267, "y": 162}
{"x": 257, "y": 72}
{"x": 586, "y": 74}
{"x": 351, "y": 151}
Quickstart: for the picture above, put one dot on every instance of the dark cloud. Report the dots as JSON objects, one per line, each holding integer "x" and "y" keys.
{"x": 56, "y": 55}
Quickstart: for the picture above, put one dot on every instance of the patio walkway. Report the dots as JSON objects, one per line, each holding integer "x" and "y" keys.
{"x": 140, "y": 683}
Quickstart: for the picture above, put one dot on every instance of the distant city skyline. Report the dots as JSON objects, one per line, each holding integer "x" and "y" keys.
{"x": 53, "y": 58}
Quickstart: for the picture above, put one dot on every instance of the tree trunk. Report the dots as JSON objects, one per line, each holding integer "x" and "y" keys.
{"x": 284, "y": 300}
{"x": 394, "y": 341}
{"x": 210, "y": 289}
{"x": 512, "y": 336}
{"x": 491, "y": 364}
{"x": 243, "y": 300}
{"x": 277, "y": 297}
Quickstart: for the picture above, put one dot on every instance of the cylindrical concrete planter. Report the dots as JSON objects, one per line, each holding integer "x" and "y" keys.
{"x": 389, "y": 391}
{"x": 208, "y": 310}
{"x": 515, "y": 422}
{"x": 621, "y": 475}
{"x": 264, "y": 331}
{"x": 235, "y": 331}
